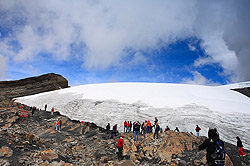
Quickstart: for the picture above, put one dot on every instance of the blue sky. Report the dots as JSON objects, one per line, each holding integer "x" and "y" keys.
{"x": 115, "y": 41}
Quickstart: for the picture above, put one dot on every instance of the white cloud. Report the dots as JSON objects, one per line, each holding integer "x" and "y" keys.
{"x": 109, "y": 28}
{"x": 3, "y": 65}
{"x": 199, "y": 79}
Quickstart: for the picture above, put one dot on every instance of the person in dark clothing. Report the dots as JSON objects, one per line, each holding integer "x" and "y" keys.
{"x": 167, "y": 128}
{"x": 130, "y": 126}
{"x": 120, "y": 147}
{"x": 60, "y": 123}
{"x": 210, "y": 145}
{"x": 108, "y": 128}
{"x": 156, "y": 120}
{"x": 177, "y": 129}
{"x": 136, "y": 130}
{"x": 114, "y": 131}
{"x": 125, "y": 126}
{"x": 157, "y": 129}
{"x": 240, "y": 146}
{"x": 33, "y": 110}
{"x": 45, "y": 107}
{"x": 197, "y": 129}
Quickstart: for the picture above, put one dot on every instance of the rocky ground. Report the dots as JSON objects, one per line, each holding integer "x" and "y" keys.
{"x": 36, "y": 142}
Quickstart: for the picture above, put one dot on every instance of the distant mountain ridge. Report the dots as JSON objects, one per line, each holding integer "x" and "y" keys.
{"x": 32, "y": 85}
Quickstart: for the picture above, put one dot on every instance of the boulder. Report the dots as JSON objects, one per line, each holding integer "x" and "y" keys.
{"x": 49, "y": 155}
{"x": 6, "y": 152}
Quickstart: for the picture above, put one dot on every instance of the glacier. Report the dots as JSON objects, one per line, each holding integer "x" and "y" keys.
{"x": 176, "y": 105}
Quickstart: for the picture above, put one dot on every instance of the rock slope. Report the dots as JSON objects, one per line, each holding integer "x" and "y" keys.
{"x": 32, "y": 85}
{"x": 36, "y": 142}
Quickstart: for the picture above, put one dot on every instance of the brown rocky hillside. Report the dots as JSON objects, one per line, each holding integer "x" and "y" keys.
{"x": 36, "y": 142}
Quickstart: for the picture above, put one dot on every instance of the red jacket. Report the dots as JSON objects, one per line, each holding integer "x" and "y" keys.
{"x": 120, "y": 143}
{"x": 52, "y": 110}
{"x": 58, "y": 122}
{"x": 125, "y": 124}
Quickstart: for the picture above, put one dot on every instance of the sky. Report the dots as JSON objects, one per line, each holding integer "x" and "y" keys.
{"x": 95, "y": 41}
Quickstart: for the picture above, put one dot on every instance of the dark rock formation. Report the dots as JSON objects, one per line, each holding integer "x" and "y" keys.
{"x": 244, "y": 91}
{"x": 32, "y": 85}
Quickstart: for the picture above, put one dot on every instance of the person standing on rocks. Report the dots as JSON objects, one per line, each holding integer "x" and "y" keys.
{"x": 52, "y": 111}
{"x": 114, "y": 131}
{"x": 240, "y": 146}
{"x": 167, "y": 129}
{"x": 45, "y": 107}
{"x": 58, "y": 125}
{"x": 130, "y": 126}
{"x": 197, "y": 129}
{"x": 157, "y": 129}
{"x": 215, "y": 149}
{"x": 108, "y": 128}
{"x": 125, "y": 126}
{"x": 156, "y": 121}
{"x": 148, "y": 126}
{"x": 33, "y": 110}
{"x": 136, "y": 130}
{"x": 177, "y": 129}
{"x": 120, "y": 147}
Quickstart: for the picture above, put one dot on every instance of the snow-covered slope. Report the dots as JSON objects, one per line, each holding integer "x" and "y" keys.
{"x": 174, "y": 104}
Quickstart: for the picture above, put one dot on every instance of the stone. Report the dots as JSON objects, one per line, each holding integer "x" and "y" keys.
{"x": 49, "y": 155}
{"x": 6, "y": 152}
{"x": 4, "y": 162}
{"x": 29, "y": 137}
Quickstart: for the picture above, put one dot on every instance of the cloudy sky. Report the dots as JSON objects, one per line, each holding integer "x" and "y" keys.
{"x": 94, "y": 41}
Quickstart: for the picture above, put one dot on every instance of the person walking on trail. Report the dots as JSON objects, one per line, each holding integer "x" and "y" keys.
{"x": 125, "y": 126}
{"x": 136, "y": 130}
{"x": 52, "y": 111}
{"x": 148, "y": 126}
{"x": 197, "y": 129}
{"x": 157, "y": 129}
{"x": 120, "y": 147}
{"x": 45, "y": 108}
{"x": 240, "y": 146}
{"x": 58, "y": 125}
{"x": 215, "y": 149}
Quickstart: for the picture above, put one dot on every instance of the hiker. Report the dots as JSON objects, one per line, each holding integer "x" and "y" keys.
{"x": 114, "y": 131}
{"x": 240, "y": 146}
{"x": 33, "y": 110}
{"x": 52, "y": 111}
{"x": 128, "y": 127}
{"x": 136, "y": 130}
{"x": 58, "y": 125}
{"x": 45, "y": 107}
{"x": 142, "y": 129}
{"x": 120, "y": 147}
{"x": 148, "y": 126}
{"x": 167, "y": 128}
{"x": 156, "y": 120}
{"x": 215, "y": 148}
{"x": 177, "y": 129}
{"x": 108, "y": 128}
{"x": 197, "y": 129}
{"x": 125, "y": 126}
{"x": 157, "y": 129}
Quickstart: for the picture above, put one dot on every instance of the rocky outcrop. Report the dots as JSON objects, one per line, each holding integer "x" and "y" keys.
{"x": 32, "y": 85}
{"x": 244, "y": 91}
{"x": 36, "y": 142}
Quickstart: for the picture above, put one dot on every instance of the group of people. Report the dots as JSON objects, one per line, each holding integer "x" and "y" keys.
{"x": 213, "y": 144}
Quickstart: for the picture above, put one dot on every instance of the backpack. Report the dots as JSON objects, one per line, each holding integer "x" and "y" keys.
{"x": 219, "y": 154}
